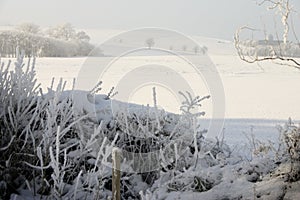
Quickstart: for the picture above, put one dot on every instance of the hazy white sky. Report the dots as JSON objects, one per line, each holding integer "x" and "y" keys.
{"x": 213, "y": 18}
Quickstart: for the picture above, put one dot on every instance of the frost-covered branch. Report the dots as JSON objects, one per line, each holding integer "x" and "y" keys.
{"x": 284, "y": 51}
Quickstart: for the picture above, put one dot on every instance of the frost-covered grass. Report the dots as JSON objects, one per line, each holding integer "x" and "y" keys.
{"x": 54, "y": 145}
{"x": 38, "y": 136}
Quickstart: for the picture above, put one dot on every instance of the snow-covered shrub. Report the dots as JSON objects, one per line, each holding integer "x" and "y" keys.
{"x": 179, "y": 140}
{"x": 257, "y": 148}
{"x": 19, "y": 98}
{"x": 59, "y": 148}
{"x": 285, "y": 152}
{"x": 41, "y": 148}
{"x": 291, "y": 136}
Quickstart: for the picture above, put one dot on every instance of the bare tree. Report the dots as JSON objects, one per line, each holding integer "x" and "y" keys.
{"x": 82, "y": 36}
{"x": 196, "y": 49}
{"x": 63, "y": 32}
{"x": 278, "y": 52}
{"x": 150, "y": 42}
{"x": 204, "y": 49}
{"x": 28, "y": 28}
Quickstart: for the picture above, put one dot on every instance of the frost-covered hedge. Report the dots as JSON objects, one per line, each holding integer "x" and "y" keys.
{"x": 40, "y": 45}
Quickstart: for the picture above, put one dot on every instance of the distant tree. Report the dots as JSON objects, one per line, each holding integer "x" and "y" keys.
{"x": 196, "y": 49}
{"x": 150, "y": 42}
{"x": 184, "y": 47}
{"x": 63, "y": 32}
{"x": 62, "y": 41}
{"x": 29, "y": 28}
{"x": 204, "y": 49}
{"x": 82, "y": 36}
{"x": 171, "y": 48}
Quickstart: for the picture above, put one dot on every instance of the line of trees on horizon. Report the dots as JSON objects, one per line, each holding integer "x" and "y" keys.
{"x": 59, "y": 41}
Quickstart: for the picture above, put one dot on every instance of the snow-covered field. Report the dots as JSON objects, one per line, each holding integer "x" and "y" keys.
{"x": 258, "y": 97}
{"x": 270, "y": 92}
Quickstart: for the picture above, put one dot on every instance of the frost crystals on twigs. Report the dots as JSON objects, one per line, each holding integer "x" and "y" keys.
{"x": 191, "y": 103}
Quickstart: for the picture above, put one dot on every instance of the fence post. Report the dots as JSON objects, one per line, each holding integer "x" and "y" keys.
{"x": 116, "y": 173}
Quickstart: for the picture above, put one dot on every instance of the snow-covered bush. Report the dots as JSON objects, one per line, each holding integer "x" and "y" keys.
{"x": 285, "y": 152}
{"x": 40, "y": 149}
{"x": 54, "y": 146}
{"x": 291, "y": 137}
{"x": 19, "y": 98}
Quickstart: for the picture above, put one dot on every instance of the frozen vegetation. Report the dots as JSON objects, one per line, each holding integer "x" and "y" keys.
{"x": 60, "y": 41}
{"x": 58, "y": 145}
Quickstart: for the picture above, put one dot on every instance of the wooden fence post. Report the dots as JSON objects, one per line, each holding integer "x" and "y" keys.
{"x": 116, "y": 174}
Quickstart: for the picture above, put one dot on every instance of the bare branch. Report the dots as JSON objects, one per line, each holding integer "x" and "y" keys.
{"x": 270, "y": 51}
